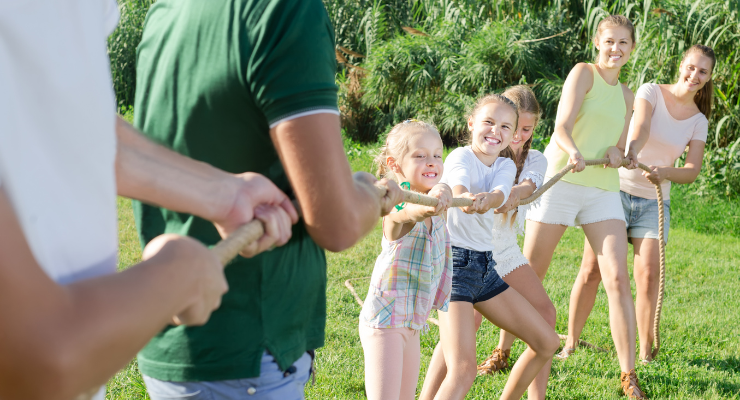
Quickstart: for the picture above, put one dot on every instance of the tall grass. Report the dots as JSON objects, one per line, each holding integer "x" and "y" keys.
{"x": 462, "y": 48}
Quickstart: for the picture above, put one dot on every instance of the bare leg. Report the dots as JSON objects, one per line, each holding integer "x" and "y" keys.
{"x": 647, "y": 281}
{"x": 513, "y": 313}
{"x": 457, "y": 337}
{"x": 609, "y": 242}
{"x": 528, "y": 284}
{"x": 583, "y": 295}
{"x": 436, "y": 372}
{"x": 540, "y": 241}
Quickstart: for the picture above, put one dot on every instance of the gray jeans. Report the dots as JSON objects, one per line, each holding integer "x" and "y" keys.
{"x": 272, "y": 384}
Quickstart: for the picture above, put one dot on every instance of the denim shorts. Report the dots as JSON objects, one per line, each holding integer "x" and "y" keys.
{"x": 272, "y": 384}
{"x": 474, "y": 276}
{"x": 642, "y": 216}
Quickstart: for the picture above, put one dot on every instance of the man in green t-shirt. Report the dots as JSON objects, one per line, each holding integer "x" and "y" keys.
{"x": 248, "y": 85}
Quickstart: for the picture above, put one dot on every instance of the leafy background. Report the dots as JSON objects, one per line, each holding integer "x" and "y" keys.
{"x": 431, "y": 59}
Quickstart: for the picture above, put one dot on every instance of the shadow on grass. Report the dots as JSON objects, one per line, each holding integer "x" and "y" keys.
{"x": 729, "y": 364}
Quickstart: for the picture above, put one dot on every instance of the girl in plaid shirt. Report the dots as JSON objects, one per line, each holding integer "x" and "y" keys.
{"x": 413, "y": 273}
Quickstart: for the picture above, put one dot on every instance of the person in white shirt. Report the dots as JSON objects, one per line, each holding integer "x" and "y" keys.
{"x": 70, "y": 322}
{"x": 479, "y": 173}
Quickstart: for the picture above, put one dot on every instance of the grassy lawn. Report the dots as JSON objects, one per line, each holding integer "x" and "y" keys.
{"x": 700, "y": 330}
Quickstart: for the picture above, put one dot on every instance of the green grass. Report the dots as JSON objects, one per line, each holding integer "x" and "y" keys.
{"x": 700, "y": 330}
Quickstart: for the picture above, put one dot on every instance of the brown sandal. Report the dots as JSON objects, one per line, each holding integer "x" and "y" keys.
{"x": 630, "y": 386}
{"x": 497, "y": 361}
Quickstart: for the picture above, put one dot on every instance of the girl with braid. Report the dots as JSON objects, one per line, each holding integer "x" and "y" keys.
{"x": 508, "y": 221}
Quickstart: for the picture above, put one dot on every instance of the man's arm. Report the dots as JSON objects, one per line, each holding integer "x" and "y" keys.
{"x": 59, "y": 341}
{"x": 154, "y": 174}
{"x": 338, "y": 210}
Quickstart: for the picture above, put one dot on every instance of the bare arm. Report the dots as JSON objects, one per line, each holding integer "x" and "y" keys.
{"x": 518, "y": 192}
{"x": 482, "y": 202}
{"x": 615, "y": 153}
{"x": 154, "y": 174}
{"x": 60, "y": 341}
{"x": 338, "y": 210}
{"x": 643, "y": 116}
{"x": 397, "y": 225}
{"x": 577, "y": 85}
{"x": 685, "y": 174}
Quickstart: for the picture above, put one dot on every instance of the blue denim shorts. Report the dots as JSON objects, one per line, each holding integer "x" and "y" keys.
{"x": 272, "y": 384}
{"x": 474, "y": 276}
{"x": 642, "y": 216}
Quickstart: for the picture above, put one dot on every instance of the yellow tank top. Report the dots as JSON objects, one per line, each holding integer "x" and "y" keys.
{"x": 598, "y": 126}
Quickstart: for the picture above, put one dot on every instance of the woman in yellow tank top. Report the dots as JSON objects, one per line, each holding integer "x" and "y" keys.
{"x": 592, "y": 122}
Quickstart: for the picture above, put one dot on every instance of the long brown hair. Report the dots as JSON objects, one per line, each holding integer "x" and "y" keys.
{"x": 703, "y": 97}
{"x": 525, "y": 101}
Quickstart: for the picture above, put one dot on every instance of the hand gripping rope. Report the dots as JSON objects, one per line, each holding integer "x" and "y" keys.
{"x": 416, "y": 198}
{"x": 228, "y": 248}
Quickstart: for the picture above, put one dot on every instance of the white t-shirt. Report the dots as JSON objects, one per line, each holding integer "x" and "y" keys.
{"x": 57, "y": 132}
{"x": 462, "y": 167}
{"x": 668, "y": 140}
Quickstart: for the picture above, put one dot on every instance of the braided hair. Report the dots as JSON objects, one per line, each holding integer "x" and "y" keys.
{"x": 525, "y": 101}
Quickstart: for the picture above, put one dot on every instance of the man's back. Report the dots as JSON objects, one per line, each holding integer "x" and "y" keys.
{"x": 212, "y": 78}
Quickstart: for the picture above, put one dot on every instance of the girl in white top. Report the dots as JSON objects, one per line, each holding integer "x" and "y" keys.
{"x": 475, "y": 283}
{"x": 511, "y": 264}
{"x": 667, "y": 118}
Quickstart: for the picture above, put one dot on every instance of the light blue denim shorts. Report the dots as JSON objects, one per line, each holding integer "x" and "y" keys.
{"x": 641, "y": 215}
{"x": 272, "y": 384}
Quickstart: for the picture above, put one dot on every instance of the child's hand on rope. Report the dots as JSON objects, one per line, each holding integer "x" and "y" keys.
{"x": 657, "y": 176}
{"x": 615, "y": 157}
{"x": 577, "y": 159}
{"x": 442, "y": 192}
{"x": 511, "y": 203}
{"x": 473, "y": 208}
{"x": 418, "y": 213}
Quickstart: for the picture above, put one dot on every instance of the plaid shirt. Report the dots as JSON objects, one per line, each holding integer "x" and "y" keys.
{"x": 412, "y": 276}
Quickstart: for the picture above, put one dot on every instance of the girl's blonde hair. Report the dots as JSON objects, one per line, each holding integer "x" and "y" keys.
{"x": 525, "y": 101}
{"x": 703, "y": 97}
{"x": 397, "y": 144}
{"x": 613, "y": 21}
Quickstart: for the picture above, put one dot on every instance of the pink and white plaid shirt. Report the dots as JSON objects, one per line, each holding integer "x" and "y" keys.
{"x": 412, "y": 276}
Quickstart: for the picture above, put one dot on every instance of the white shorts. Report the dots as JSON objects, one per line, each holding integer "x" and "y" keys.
{"x": 508, "y": 260}
{"x": 574, "y": 205}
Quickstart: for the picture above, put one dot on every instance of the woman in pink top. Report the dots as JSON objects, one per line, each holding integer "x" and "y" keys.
{"x": 666, "y": 119}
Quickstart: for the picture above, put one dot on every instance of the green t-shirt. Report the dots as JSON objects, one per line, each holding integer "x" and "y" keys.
{"x": 212, "y": 77}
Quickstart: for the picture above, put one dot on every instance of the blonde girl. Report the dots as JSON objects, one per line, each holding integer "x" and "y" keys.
{"x": 413, "y": 273}
{"x": 477, "y": 168}
{"x": 592, "y": 122}
{"x": 667, "y": 119}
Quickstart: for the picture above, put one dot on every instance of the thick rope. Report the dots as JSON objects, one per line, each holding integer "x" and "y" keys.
{"x": 661, "y": 234}
{"x": 228, "y": 248}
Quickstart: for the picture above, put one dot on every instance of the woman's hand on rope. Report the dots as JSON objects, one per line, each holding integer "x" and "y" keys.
{"x": 615, "y": 157}
{"x": 443, "y": 193}
{"x": 657, "y": 176}
{"x": 577, "y": 159}
{"x": 257, "y": 197}
{"x": 632, "y": 158}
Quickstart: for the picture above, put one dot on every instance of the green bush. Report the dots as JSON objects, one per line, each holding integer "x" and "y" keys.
{"x": 122, "y": 46}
